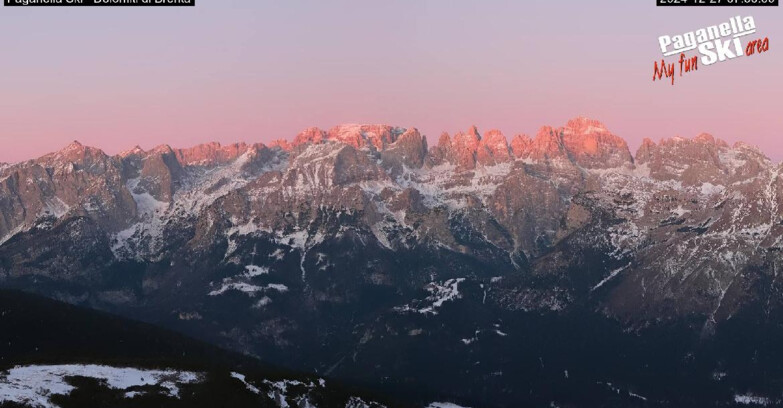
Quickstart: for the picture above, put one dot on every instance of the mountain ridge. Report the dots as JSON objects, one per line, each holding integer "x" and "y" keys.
{"x": 350, "y": 134}
{"x": 320, "y": 253}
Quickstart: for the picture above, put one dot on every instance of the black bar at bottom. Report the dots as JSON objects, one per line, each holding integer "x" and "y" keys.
{"x": 99, "y": 3}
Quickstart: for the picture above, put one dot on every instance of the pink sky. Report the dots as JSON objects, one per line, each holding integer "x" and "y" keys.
{"x": 241, "y": 70}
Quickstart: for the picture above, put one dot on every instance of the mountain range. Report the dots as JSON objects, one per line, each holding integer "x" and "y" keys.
{"x": 559, "y": 269}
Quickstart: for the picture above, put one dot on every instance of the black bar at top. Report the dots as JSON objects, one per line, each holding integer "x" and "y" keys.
{"x": 99, "y": 3}
{"x": 717, "y": 3}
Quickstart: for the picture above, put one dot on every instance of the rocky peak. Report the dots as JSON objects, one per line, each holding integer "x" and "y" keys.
{"x": 585, "y": 142}
{"x": 135, "y": 151}
{"x": 161, "y": 149}
{"x": 546, "y": 146}
{"x": 410, "y": 149}
{"x": 210, "y": 154}
{"x": 309, "y": 135}
{"x": 75, "y": 145}
{"x": 362, "y": 136}
{"x": 467, "y": 149}
{"x": 441, "y": 153}
{"x": 468, "y": 141}
{"x": 159, "y": 170}
{"x": 743, "y": 147}
{"x": 645, "y": 151}
{"x": 583, "y": 125}
{"x": 281, "y": 144}
{"x": 700, "y": 159}
{"x": 744, "y": 161}
{"x": 520, "y": 145}
{"x": 590, "y": 145}
{"x": 703, "y": 148}
{"x": 444, "y": 141}
{"x": 708, "y": 138}
{"x": 461, "y": 149}
{"x": 377, "y": 137}
{"x": 76, "y": 151}
{"x": 319, "y": 167}
{"x": 75, "y": 156}
{"x": 493, "y": 148}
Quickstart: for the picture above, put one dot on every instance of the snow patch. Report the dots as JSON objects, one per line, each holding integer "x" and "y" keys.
{"x": 711, "y": 189}
{"x": 146, "y": 204}
{"x": 680, "y": 211}
{"x": 253, "y": 270}
{"x": 612, "y": 274}
{"x": 444, "y": 405}
{"x": 55, "y": 206}
{"x": 33, "y": 385}
{"x": 262, "y": 302}
{"x": 247, "y": 288}
{"x": 440, "y": 293}
{"x": 250, "y": 387}
{"x": 356, "y": 402}
{"x": 749, "y": 399}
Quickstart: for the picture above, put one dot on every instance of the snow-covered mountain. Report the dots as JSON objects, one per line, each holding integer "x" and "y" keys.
{"x": 345, "y": 238}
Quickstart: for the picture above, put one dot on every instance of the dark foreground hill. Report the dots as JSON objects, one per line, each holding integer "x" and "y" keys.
{"x": 44, "y": 336}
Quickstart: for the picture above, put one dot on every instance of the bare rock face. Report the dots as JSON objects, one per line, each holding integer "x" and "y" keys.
{"x": 441, "y": 153}
{"x": 76, "y": 158}
{"x": 159, "y": 173}
{"x": 699, "y": 160}
{"x": 71, "y": 182}
{"x": 210, "y": 154}
{"x": 468, "y": 149}
{"x": 546, "y": 147}
{"x": 592, "y": 146}
{"x": 310, "y": 135}
{"x": 281, "y": 144}
{"x": 493, "y": 149}
{"x": 460, "y": 150}
{"x": 520, "y": 144}
{"x": 409, "y": 150}
{"x": 583, "y": 142}
{"x": 128, "y": 190}
{"x": 409, "y": 199}
{"x": 377, "y": 137}
{"x": 361, "y": 136}
{"x": 568, "y": 212}
{"x": 464, "y": 146}
{"x": 685, "y": 160}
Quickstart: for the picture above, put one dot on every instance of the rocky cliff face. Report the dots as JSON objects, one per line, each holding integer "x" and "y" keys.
{"x": 368, "y": 220}
{"x": 665, "y": 215}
